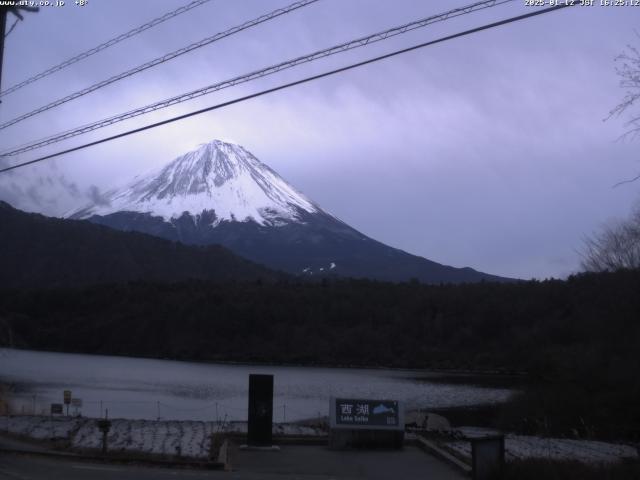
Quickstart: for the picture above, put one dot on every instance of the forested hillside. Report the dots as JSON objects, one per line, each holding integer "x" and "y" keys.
{"x": 581, "y": 335}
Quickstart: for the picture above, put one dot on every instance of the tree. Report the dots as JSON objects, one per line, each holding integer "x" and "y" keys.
{"x": 628, "y": 69}
{"x": 616, "y": 247}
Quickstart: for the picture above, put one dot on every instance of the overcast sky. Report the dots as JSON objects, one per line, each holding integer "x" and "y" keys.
{"x": 487, "y": 151}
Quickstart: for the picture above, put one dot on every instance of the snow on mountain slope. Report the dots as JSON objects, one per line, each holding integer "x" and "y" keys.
{"x": 221, "y": 194}
{"x": 219, "y": 176}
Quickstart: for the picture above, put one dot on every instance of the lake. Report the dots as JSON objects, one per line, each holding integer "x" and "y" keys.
{"x": 149, "y": 389}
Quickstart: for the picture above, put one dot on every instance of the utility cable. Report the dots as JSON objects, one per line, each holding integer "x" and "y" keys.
{"x": 102, "y": 46}
{"x": 292, "y": 84}
{"x": 160, "y": 60}
{"x": 350, "y": 45}
{"x": 12, "y": 27}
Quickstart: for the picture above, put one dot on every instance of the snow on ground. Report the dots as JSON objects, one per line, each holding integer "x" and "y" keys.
{"x": 164, "y": 437}
{"x": 518, "y": 447}
{"x": 39, "y": 427}
{"x": 183, "y": 438}
{"x": 193, "y": 438}
{"x": 279, "y": 429}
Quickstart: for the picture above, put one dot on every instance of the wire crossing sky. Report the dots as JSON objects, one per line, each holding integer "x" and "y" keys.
{"x": 102, "y": 46}
{"x": 487, "y": 151}
{"x": 343, "y": 47}
{"x": 162, "y": 59}
{"x": 292, "y": 84}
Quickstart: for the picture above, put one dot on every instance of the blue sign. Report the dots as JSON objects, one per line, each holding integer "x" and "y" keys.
{"x": 367, "y": 413}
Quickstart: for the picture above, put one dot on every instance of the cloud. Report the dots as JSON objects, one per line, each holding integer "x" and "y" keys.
{"x": 96, "y": 197}
{"x": 487, "y": 151}
{"x": 48, "y": 191}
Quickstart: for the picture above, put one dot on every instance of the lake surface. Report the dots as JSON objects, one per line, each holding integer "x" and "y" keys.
{"x": 148, "y": 389}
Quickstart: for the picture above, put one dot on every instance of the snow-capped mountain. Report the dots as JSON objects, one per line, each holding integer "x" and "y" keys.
{"x": 219, "y": 176}
{"x": 221, "y": 194}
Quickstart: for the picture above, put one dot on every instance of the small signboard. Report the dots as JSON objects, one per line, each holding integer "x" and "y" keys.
{"x": 67, "y": 397}
{"x": 366, "y": 423}
{"x": 367, "y": 414}
{"x": 76, "y": 402}
{"x": 56, "y": 409}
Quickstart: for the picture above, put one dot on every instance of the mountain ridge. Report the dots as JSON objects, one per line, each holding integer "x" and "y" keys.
{"x": 217, "y": 173}
{"x": 44, "y": 252}
{"x": 221, "y": 194}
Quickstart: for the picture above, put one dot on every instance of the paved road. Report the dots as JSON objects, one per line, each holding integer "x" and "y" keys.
{"x": 23, "y": 467}
{"x": 15, "y": 444}
{"x": 292, "y": 462}
{"x": 319, "y": 462}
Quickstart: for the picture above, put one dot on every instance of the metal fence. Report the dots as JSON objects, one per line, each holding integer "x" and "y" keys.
{"x": 217, "y": 411}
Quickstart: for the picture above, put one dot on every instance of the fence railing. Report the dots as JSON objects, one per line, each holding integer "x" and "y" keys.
{"x": 217, "y": 411}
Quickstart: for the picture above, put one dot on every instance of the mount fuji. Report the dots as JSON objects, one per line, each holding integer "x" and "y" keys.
{"x": 221, "y": 194}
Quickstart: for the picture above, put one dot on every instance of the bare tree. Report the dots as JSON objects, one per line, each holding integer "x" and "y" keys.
{"x": 616, "y": 247}
{"x": 628, "y": 69}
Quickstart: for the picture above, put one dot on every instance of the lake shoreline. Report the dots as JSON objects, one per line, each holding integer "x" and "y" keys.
{"x": 151, "y": 388}
{"x": 328, "y": 365}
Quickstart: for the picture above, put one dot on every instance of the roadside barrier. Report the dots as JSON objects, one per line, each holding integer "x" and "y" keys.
{"x": 219, "y": 412}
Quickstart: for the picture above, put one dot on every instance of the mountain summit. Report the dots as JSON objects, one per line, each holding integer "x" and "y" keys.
{"x": 219, "y": 177}
{"x": 221, "y": 194}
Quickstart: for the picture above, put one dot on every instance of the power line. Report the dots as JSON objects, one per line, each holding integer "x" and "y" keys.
{"x": 165, "y": 58}
{"x": 102, "y": 46}
{"x": 16, "y": 10}
{"x": 360, "y": 42}
{"x": 12, "y": 27}
{"x": 292, "y": 84}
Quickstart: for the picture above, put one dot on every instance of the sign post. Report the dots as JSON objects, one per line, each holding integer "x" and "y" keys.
{"x": 76, "y": 403}
{"x": 67, "y": 399}
{"x": 56, "y": 409}
{"x": 366, "y": 423}
{"x": 104, "y": 425}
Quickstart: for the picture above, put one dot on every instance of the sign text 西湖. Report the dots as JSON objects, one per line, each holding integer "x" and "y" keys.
{"x": 374, "y": 413}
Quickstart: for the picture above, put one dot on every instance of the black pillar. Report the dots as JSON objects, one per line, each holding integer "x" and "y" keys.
{"x": 260, "y": 410}
{"x": 487, "y": 457}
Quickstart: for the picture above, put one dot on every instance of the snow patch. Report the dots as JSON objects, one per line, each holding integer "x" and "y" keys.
{"x": 190, "y": 439}
{"x": 519, "y": 447}
{"x": 218, "y": 176}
